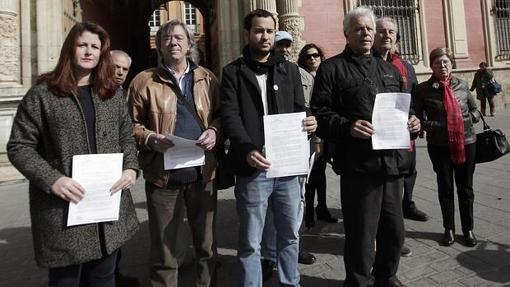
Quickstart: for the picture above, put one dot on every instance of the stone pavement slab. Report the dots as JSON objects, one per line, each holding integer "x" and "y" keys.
{"x": 487, "y": 264}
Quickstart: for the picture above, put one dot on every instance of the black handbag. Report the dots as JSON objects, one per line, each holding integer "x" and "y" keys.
{"x": 490, "y": 144}
{"x": 494, "y": 87}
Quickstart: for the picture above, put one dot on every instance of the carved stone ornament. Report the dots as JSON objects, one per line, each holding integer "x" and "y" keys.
{"x": 294, "y": 25}
{"x": 9, "y": 53}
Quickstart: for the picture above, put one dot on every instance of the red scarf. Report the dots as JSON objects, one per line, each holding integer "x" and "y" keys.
{"x": 454, "y": 123}
{"x": 401, "y": 67}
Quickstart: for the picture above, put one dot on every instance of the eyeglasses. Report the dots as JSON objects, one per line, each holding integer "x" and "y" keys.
{"x": 314, "y": 55}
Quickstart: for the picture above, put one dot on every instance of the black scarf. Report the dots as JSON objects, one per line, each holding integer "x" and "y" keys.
{"x": 267, "y": 67}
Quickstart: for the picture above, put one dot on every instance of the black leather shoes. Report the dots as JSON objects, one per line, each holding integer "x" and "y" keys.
{"x": 448, "y": 237}
{"x": 414, "y": 213}
{"x": 470, "y": 239}
{"x": 306, "y": 258}
{"x": 324, "y": 215}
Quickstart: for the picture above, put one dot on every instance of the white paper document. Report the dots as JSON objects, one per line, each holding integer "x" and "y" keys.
{"x": 184, "y": 153}
{"x": 96, "y": 173}
{"x": 287, "y": 147}
{"x": 389, "y": 119}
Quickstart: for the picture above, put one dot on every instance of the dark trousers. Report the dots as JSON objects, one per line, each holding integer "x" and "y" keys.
{"x": 95, "y": 273}
{"x": 317, "y": 181}
{"x": 372, "y": 210}
{"x": 409, "y": 181}
{"x": 484, "y": 98}
{"x": 164, "y": 208}
{"x": 446, "y": 171}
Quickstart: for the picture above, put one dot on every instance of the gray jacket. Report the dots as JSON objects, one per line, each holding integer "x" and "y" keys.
{"x": 47, "y": 131}
{"x": 428, "y": 104}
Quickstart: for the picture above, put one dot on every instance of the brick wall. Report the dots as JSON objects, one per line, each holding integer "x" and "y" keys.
{"x": 323, "y": 25}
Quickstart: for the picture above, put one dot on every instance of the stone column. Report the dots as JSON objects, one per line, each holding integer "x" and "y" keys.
{"x": 292, "y": 22}
{"x": 10, "y": 42}
{"x": 50, "y": 33}
{"x": 269, "y": 5}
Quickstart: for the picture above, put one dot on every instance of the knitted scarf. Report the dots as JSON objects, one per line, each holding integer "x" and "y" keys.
{"x": 454, "y": 123}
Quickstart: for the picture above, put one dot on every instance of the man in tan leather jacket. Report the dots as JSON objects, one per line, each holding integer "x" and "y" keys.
{"x": 180, "y": 98}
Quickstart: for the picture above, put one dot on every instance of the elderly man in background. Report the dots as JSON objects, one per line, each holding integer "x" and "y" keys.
{"x": 385, "y": 46}
{"x": 122, "y": 62}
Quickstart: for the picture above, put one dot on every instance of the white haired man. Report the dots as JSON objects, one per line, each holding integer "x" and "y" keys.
{"x": 371, "y": 180}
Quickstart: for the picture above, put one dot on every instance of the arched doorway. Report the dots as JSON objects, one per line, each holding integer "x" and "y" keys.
{"x": 127, "y": 22}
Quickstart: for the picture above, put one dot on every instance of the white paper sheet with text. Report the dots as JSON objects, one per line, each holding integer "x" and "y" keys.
{"x": 287, "y": 147}
{"x": 96, "y": 173}
{"x": 389, "y": 120}
{"x": 184, "y": 153}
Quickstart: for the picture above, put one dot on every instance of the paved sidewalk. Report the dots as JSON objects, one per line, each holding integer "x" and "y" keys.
{"x": 488, "y": 264}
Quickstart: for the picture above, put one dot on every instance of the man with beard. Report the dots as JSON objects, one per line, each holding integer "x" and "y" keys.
{"x": 261, "y": 83}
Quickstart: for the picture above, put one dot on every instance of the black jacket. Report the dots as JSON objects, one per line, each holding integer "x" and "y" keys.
{"x": 344, "y": 93}
{"x": 242, "y": 110}
{"x": 430, "y": 109}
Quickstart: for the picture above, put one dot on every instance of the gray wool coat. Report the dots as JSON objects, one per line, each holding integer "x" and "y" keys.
{"x": 47, "y": 131}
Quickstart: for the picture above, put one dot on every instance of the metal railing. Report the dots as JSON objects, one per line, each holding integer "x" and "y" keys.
{"x": 501, "y": 10}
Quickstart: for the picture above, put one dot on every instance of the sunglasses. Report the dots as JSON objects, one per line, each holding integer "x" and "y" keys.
{"x": 314, "y": 55}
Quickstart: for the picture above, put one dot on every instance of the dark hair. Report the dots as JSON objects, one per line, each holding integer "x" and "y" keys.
{"x": 260, "y": 13}
{"x": 302, "y": 55}
{"x": 482, "y": 63}
{"x": 62, "y": 79}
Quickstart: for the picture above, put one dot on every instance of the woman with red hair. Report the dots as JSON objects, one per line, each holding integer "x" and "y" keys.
{"x": 74, "y": 109}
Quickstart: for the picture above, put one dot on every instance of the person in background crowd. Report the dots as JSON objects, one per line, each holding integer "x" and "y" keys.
{"x": 309, "y": 59}
{"x": 371, "y": 180}
{"x": 448, "y": 112}
{"x": 182, "y": 99}
{"x": 122, "y": 62}
{"x": 482, "y": 77}
{"x": 261, "y": 83}
{"x": 385, "y": 46}
{"x": 73, "y": 110}
{"x": 283, "y": 45}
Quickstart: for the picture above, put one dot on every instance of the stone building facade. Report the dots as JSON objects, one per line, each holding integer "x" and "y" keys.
{"x": 32, "y": 32}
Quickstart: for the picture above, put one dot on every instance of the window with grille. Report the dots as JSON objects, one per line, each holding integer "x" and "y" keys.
{"x": 154, "y": 21}
{"x": 502, "y": 12}
{"x": 405, "y": 13}
{"x": 190, "y": 17}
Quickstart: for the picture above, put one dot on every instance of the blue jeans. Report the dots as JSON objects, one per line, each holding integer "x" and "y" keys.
{"x": 269, "y": 234}
{"x": 252, "y": 196}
